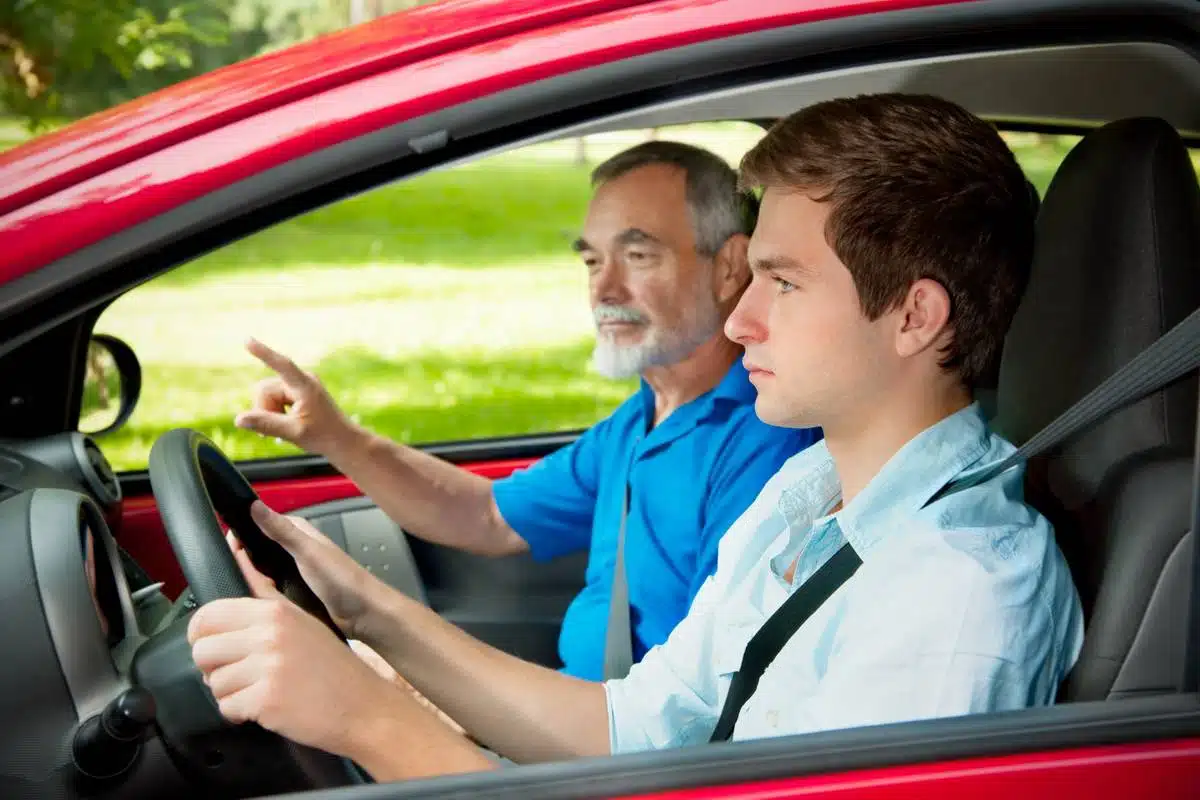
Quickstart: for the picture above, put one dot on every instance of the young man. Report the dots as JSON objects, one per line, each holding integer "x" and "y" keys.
{"x": 892, "y": 248}
{"x": 664, "y": 243}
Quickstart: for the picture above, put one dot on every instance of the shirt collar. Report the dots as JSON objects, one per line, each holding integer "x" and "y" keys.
{"x": 735, "y": 387}
{"x": 925, "y": 464}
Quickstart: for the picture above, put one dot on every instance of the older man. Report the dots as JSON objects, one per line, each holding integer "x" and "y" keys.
{"x": 648, "y": 491}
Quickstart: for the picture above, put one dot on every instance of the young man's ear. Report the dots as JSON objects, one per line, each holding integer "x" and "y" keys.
{"x": 924, "y": 318}
{"x": 731, "y": 269}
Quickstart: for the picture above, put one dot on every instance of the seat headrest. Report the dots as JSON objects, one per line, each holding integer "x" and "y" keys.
{"x": 1116, "y": 264}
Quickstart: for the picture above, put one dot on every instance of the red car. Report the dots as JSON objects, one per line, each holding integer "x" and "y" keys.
{"x": 89, "y": 212}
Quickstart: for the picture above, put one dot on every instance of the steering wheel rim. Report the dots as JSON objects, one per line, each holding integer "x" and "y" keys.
{"x": 178, "y": 463}
{"x": 193, "y": 482}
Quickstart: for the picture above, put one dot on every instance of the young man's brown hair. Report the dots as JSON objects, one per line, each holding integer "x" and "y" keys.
{"x": 920, "y": 188}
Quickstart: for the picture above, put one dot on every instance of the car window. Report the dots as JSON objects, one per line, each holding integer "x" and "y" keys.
{"x": 441, "y": 308}
{"x": 444, "y": 307}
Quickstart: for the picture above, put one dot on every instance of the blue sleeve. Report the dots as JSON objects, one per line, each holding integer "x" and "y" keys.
{"x": 752, "y": 452}
{"x": 550, "y": 504}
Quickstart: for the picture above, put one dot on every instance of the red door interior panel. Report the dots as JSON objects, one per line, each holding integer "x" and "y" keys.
{"x": 1160, "y": 770}
{"x": 139, "y": 528}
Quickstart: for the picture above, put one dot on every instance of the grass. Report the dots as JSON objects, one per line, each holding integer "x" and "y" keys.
{"x": 420, "y": 353}
{"x": 444, "y": 307}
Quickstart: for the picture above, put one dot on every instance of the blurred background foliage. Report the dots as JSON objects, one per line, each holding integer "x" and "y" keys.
{"x": 65, "y": 59}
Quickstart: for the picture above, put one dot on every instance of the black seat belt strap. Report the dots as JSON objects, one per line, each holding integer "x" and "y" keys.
{"x": 775, "y": 632}
{"x": 1173, "y": 355}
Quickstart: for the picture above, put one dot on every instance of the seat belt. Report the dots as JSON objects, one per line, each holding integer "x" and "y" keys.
{"x": 1191, "y": 655}
{"x": 778, "y": 629}
{"x": 618, "y": 639}
{"x": 1170, "y": 357}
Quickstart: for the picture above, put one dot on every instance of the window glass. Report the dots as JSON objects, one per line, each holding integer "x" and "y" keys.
{"x": 441, "y": 308}
{"x": 444, "y": 307}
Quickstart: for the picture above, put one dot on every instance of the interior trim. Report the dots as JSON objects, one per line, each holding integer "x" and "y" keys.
{"x": 1138, "y": 78}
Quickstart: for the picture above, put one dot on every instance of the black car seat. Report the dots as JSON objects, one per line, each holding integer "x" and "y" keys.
{"x": 1116, "y": 265}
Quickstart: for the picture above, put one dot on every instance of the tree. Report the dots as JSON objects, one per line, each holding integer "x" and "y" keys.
{"x": 45, "y": 44}
{"x": 70, "y": 58}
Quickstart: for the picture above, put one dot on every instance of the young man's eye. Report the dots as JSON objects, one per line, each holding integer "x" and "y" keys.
{"x": 784, "y": 286}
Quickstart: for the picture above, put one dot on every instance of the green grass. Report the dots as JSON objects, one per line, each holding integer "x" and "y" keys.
{"x": 444, "y": 307}
{"x": 507, "y": 213}
{"x": 419, "y": 353}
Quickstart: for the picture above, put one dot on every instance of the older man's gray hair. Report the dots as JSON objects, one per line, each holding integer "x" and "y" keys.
{"x": 717, "y": 207}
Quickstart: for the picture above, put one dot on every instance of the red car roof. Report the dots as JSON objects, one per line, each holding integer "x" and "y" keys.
{"x": 90, "y": 180}
{"x": 49, "y": 163}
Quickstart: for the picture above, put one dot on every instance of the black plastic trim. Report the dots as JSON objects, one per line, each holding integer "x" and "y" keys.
{"x": 937, "y": 741}
{"x": 56, "y": 524}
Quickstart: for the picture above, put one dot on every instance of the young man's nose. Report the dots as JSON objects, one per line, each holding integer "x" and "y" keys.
{"x": 747, "y": 323}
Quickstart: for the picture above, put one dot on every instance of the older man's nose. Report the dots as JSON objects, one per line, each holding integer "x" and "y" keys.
{"x": 608, "y": 284}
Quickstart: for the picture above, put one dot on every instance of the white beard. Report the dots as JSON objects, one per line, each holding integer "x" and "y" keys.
{"x": 659, "y": 347}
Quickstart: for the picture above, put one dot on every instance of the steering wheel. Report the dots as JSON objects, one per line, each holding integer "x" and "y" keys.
{"x": 196, "y": 487}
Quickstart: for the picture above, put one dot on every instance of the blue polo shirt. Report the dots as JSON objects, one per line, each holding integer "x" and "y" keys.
{"x": 690, "y": 478}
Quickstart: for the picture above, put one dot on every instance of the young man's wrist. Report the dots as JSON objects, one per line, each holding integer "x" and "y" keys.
{"x": 377, "y": 624}
{"x": 397, "y": 739}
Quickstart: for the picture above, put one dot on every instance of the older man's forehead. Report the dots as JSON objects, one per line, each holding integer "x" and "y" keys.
{"x": 624, "y": 237}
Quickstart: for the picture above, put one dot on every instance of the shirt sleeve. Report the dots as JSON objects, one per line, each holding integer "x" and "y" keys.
{"x": 550, "y": 504}
{"x": 753, "y": 452}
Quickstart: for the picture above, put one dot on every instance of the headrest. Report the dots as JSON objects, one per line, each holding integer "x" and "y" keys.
{"x": 1116, "y": 264}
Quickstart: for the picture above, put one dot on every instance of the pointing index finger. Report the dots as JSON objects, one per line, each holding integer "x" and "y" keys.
{"x": 284, "y": 366}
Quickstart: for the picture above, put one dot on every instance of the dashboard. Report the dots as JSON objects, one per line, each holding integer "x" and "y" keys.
{"x": 70, "y": 627}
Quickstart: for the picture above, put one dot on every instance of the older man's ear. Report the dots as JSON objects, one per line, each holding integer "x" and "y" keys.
{"x": 731, "y": 269}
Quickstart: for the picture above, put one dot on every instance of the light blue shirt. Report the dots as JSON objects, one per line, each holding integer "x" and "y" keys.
{"x": 962, "y": 606}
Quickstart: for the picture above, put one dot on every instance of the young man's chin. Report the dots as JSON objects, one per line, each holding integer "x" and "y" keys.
{"x": 772, "y": 413}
